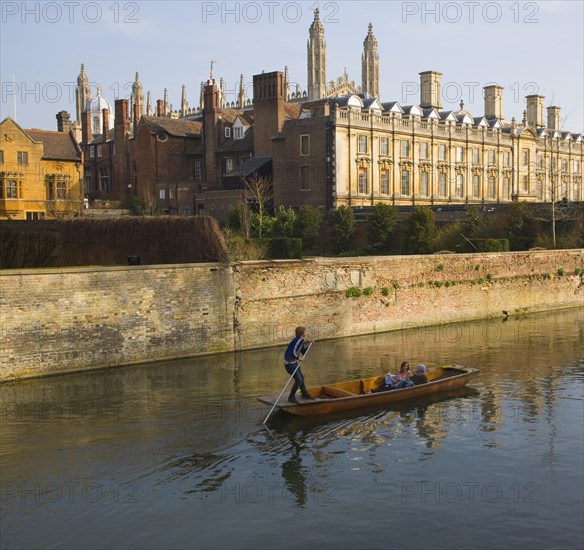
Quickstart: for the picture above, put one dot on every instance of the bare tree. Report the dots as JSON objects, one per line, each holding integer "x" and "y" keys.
{"x": 259, "y": 190}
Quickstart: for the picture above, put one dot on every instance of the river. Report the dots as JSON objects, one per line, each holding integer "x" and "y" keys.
{"x": 174, "y": 455}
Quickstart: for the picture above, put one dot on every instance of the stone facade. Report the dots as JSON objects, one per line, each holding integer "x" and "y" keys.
{"x": 41, "y": 172}
{"x": 117, "y": 316}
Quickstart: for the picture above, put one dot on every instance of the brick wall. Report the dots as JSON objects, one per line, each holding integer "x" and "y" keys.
{"x": 75, "y": 319}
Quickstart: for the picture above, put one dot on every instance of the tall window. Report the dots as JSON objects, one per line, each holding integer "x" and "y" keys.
{"x": 384, "y": 182}
{"x": 476, "y": 155}
{"x": 384, "y": 146}
{"x": 424, "y": 184}
{"x": 525, "y": 183}
{"x": 22, "y": 157}
{"x": 491, "y": 187}
{"x": 1, "y": 157}
{"x": 305, "y": 145}
{"x": 12, "y": 189}
{"x": 506, "y": 158}
{"x": 576, "y": 167}
{"x": 476, "y": 186}
{"x": 459, "y": 154}
{"x": 405, "y": 148}
{"x": 198, "y": 172}
{"x": 491, "y": 157}
{"x": 405, "y": 182}
{"x": 99, "y": 151}
{"x": 564, "y": 165}
{"x": 441, "y": 152}
{"x": 305, "y": 178}
{"x": 162, "y": 194}
{"x": 506, "y": 188}
{"x": 442, "y": 184}
{"x": 362, "y": 144}
{"x": 237, "y": 133}
{"x": 459, "y": 186}
{"x": 228, "y": 165}
{"x": 92, "y": 151}
{"x": 227, "y": 131}
{"x": 423, "y": 150}
{"x": 104, "y": 180}
{"x": 362, "y": 180}
{"x": 539, "y": 186}
{"x": 525, "y": 157}
{"x": 540, "y": 161}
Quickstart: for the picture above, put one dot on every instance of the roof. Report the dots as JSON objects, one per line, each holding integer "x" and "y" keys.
{"x": 56, "y": 145}
{"x": 292, "y": 110}
{"x": 239, "y": 145}
{"x": 249, "y": 166}
{"x": 173, "y": 126}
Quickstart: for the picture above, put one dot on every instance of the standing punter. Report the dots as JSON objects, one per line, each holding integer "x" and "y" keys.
{"x": 291, "y": 363}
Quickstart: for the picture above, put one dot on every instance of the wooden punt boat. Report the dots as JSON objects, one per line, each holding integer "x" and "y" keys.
{"x": 354, "y": 394}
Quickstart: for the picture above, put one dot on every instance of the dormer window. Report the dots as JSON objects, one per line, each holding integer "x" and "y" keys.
{"x": 237, "y": 132}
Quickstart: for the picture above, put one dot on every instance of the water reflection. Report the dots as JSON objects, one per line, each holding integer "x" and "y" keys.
{"x": 190, "y": 432}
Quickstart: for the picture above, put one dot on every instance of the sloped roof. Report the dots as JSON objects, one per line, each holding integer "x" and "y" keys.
{"x": 292, "y": 110}
{"x": 249, "y": 167}
{"x": 56, "y": 145}
{"x": 173, "y": 126}
{"x": 239, "y": 145}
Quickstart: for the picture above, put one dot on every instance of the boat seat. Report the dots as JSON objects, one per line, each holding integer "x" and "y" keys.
{"x": 336, "y": 392}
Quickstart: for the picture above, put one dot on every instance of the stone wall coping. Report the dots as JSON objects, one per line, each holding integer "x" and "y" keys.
{"x": 102, "y": 269}
{"x": 320, "y": 260}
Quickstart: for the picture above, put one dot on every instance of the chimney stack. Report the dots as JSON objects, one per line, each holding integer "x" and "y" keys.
{"x": 268, "y": 108}
{"x": 136, "y": 116}
{"x": 159, "y": 107}
{"x": 553, "y": 118}
{"x": 535, "y": 111}
{"x": 430, "y": 93}
{"x": 106, "y": 125}
{"x": 86, "y": 133}
{"x": 493, "y": 96}
{"x": 63, "y": 121}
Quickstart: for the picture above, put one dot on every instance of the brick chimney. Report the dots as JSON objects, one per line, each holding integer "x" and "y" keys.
{"x": 86, "y": 133}
{"x": 63, "y": 121}
{"x": 268, "y": 110}
{"x": 211, "y": 133}
{"x": 430, "y": 90}
{"x": 159, "y": 107}
{"x": 136, "y": 116}
{"x": 122, "y": 121}
{"x": 106, "y": 125}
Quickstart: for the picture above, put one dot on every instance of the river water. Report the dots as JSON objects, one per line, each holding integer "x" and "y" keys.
{"x": 174, "y": 455}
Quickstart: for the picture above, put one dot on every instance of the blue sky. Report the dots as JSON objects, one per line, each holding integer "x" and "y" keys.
{"x": 527, "y": 47}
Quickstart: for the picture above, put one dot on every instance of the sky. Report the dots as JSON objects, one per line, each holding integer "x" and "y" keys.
{"x": 526, "y": 47}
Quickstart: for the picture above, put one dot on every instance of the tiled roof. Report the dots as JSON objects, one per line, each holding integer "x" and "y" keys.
{"x": 292, "y": 110}
{"x": 173, "y": 126}
{"x": 239, "y": 145}
{"x": 249, "y": 166}
{"x": 56, "y": 145}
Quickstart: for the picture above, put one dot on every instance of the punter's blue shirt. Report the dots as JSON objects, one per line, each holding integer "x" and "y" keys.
{"x": 294, "y": 349}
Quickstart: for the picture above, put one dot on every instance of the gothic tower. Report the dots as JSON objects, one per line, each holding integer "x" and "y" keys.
{"x": 370, "y": 65}
{"x": 137, "y": 96}
{"x": 241, "y": 94}
{"x": 316, "y": 47}
{"x": 82, "y": 93}
{"x": 184, "y": 104}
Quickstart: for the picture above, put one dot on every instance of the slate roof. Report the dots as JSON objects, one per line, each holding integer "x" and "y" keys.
{"x": 173, "y": 126}
{"x": 249, "y": 166}
{"x": 56, "y": 145}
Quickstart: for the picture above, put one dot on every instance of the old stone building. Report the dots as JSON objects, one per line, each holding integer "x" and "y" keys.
{"x": 333, "y": 144}
{"x": 41, "y": 172}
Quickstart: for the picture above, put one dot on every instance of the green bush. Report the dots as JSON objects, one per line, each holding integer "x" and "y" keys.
{"x": 367, "y": 291}
{"x": 440, "y": 267}
{"x": 561, "y": 272}
{"x": 577, "y": 271}
{"x": 490, "y": 245}
{"x": 353, "y": 292}
{"x": 283, "y": 248}
{"x": 385, "y": 291}
{"x": 489, "y": 276}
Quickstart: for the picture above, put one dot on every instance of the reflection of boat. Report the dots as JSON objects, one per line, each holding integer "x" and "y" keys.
{"x": 354, "y": 394}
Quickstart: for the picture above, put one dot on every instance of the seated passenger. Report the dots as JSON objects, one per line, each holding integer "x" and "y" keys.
{"x": 388, "y": 383}
{"x": 419, "y": 377}
{"x": 403, "y": 377}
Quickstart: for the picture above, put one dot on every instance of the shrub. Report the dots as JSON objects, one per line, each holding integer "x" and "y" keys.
{"x": 477, "y": 267}
{"x": 561, "y": 272}
{"x": 439, "y": 267}
{"x": 490, "y": 245}
{"x": 380, "y": 225}
{"x": 367, "y": 291}
{"x": 438, "y": 284}
{"x": 343, "y": 226}
{"x": 577, "y": 271}
{"x": 480, "y": 280}
{"x": 421, "y": 231}
{"x": 489, "y": 276}
{"x": 353, "y": 292}
{"x": 396, "y": 285}
{"x": 385, "y": 291}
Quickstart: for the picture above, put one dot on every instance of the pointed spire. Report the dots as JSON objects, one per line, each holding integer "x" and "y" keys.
{"x": 98, "y": 89}
{"x": 370, "y": 64}
{"x": 148, "y": 104}
{"x": 222, "y": 91}
{"x": 183, "y": 101}
{"x": 202, "y": 96}
{"x": 241, "y": 94}
{"x": 82, "y": 92}
{"x": 211, "y": 77}
{"x": 165, "y": 102}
